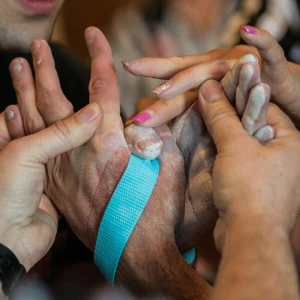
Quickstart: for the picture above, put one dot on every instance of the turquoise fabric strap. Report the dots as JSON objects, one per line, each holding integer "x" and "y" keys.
{"x": 123, "y": 212}
{"x": 189, "y": 256}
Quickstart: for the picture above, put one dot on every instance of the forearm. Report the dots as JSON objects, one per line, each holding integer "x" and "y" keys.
{"x": 163, "y": 273}
{"x": 257, "y": 263}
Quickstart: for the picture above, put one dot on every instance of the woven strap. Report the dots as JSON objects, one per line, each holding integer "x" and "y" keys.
{"x": 123, "y": 212}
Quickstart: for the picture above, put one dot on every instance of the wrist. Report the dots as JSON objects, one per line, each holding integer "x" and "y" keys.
{"x": 160, "y": 268}
{"x": 251, "y": 229}
{"x": 12, "y": 241}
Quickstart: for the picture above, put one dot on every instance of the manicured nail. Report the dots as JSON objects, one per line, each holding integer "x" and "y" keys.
{"x": 249, "y": 29}
{"x": 163, "y": 87}
{"x": 90, "y": 35}
{"x": 211, "y": 90}
{"x": 16, "y": 66}
{"x": 9, "y": 114}
{"x": 130, "y": 62}
{"x": 142, "y": 117}
{"x": 88, "y": 113}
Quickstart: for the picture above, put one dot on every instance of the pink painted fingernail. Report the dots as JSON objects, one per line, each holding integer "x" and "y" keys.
{"x": 142, "y": 117}
{"x": 249, "y": 29}
{"x": 130, "y": 62}
{"x": 163, "y": 87}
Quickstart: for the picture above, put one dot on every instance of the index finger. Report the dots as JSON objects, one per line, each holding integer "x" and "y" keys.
{"x": 165, "y": 68}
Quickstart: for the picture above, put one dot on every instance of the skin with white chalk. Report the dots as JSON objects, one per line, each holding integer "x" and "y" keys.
{"x": 237, "y": 84}
{"x": 243, "y": 85}
{"x": 143, "y": 142}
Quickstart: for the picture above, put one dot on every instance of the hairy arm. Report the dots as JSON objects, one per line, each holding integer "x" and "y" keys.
{"x": 163, "y": 271}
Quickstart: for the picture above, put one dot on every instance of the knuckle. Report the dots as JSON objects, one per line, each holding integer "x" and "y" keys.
{"x": 221, "y": 113}
{"x": 161, "y": 105}
{"x": 97, "y": 84}
{"x": 46, "y": 96}
{"x": 33, "y": 124}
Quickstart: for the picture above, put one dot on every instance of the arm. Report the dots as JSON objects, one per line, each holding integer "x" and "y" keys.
{"x": 256, "y": 264}
{"x": 256, "y": 213}
{"x": 163, "y": 272}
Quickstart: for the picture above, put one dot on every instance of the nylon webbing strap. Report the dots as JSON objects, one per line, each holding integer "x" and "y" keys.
{"x": 123, "y": 212}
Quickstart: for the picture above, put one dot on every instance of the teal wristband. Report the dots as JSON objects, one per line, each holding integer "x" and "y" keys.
{"x": 123, "y": 212}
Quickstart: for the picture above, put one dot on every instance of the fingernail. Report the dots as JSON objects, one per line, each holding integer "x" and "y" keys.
{"x": 36, "y": 46}
{"x": 249, "y": 29}
{"x": 142, "y": 117}
{"x": 163, "y": 87}
{"x": 88, "y": 113}
{"x": 211, "y": 90}
{"x": 130, "y": 62}
{"x": 9, "y": 114}
{"x": 90, "y": 35}
{"x": 16, "y": 67}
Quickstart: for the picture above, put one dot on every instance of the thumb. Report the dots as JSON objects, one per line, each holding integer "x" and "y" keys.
{"x": 274, "y": 64}
{"x": 64, "y": 135}
{"x": 220, "y": 117}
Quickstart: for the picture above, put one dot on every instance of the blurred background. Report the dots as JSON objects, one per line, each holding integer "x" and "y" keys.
{"x": 76, "y": 15}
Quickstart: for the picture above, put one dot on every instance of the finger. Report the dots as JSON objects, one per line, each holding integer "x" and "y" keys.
{"x": 255, "y": 115}
{"x": 4, "y": 133}
{"x": 220, "y": 117}
{"x": 14, "y": 122}
{"x": 274, "y": 64}
{"x": 24, "y": 86}
{"x": 165, "y": 68}
{"x": 103, "y": 85}
{"x": 231, "y": 80}
{"x": 265, "y": 134}
{"x": 63, "y": 135}
{"x": 249, "y": 77}
{"x": 192, "y": 78}
{"x": 164, "y": 110}
{"x": 170, "y": 158}
{"x": 143, "y": 142}
{"x": 51, "y": 102}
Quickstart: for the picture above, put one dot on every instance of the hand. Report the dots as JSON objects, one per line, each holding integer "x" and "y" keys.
{"x": 256, "y": 191}
{"x": 184, "y": 73}
{"x": 81, "y": 182}
{"x": 28, "y": 219}
{"x": 273, "y": 193}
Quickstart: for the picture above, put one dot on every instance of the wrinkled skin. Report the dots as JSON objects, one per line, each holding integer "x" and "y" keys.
{"x": 81, "y": 182}
{"x": 192, "y": 139}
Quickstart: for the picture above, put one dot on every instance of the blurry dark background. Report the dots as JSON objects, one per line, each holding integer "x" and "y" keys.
{"x": 79, "y": 14}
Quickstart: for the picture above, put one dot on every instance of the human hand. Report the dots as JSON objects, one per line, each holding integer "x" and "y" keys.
{"x": 272, "y": 195}
{"x": 28, "y": 219}
{"x": 184, "y": 73}
{"x": 81, "y": 182}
